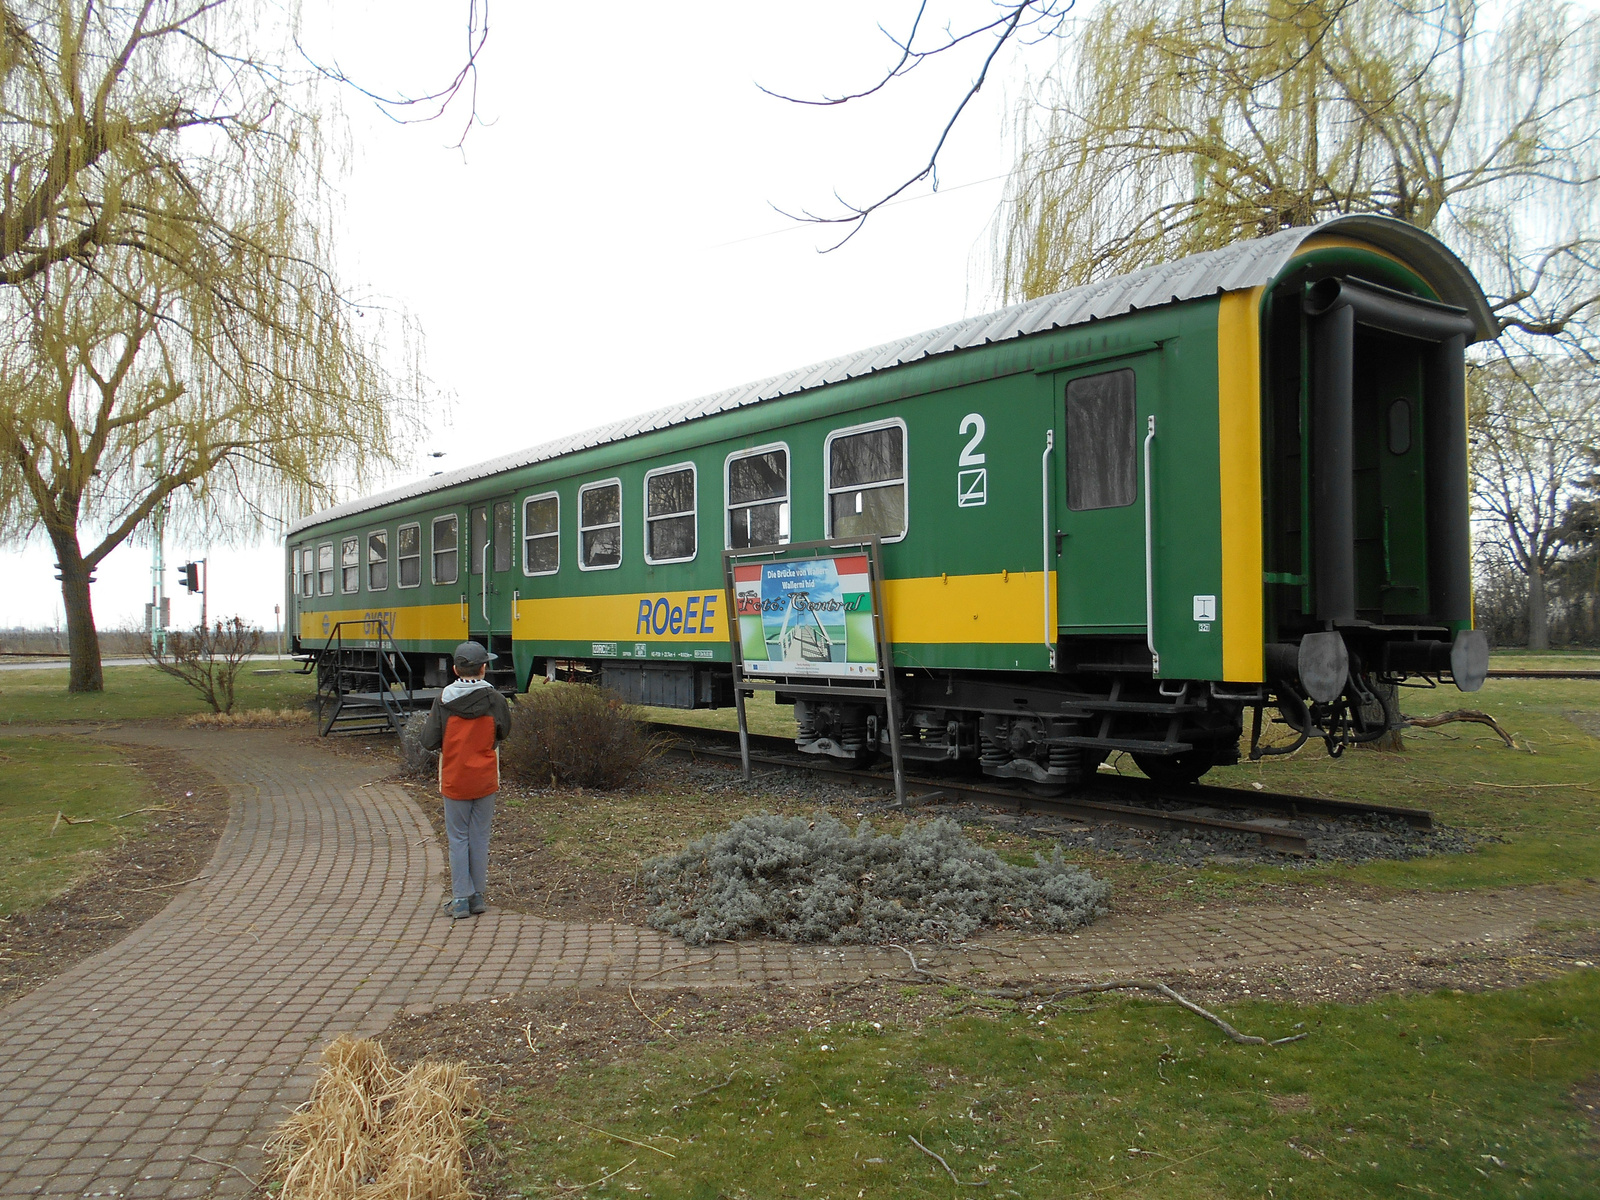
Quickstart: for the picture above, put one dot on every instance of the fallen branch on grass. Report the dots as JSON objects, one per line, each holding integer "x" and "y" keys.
{"x": 953, "y": 1176}
{"x": 1460, "y": 714}
{"x": 583, "y": 1187}
{"x": 63, "y": 819}
{"x": 620, "y": 1138}
{"x": 1048, "y": 994}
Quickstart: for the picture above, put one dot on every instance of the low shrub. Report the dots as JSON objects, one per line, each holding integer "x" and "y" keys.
{"x": 817, "y": 881}
{"x": 573, "y": 735}
{"x": 415, "y": 761}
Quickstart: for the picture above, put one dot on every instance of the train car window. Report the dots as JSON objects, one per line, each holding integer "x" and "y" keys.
{"x": 1400, "y": 426}
{"x": 478, "y": 524}
{"x": 325, "y": 569}
{"x": 600, "y": 525}
{"x": 669, "y": 514}
{"x": 308, "y": 572}
{"x": 1102, "y": 441}
{"x": 377, "y": 560}
{"x": 408, "y": 554}
{"x": 541, "y": 534}
{"x": 446, "y": 532}
{"x": 867, "y": 482}
{"x": 502, "y": 535}
{"x": 758, "y": 498}
{"x": 350, "y": 565}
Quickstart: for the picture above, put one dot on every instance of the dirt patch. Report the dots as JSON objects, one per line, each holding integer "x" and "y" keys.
{"x": 132, "y": 883}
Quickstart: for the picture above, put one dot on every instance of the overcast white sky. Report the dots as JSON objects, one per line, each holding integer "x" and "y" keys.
{"x": 607, "y": 242}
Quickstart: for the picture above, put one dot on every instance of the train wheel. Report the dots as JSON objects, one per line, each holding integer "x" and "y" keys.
{"x": 1175, "y": 770}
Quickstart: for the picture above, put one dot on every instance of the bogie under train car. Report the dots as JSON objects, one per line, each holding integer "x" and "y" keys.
{"x": 1134, "y": 516}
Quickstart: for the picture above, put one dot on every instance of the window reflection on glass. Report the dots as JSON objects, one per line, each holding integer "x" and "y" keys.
{"x": 325, "y": 570}
{"x": 445, "y": 533}
{"x": 1102, "y": 441}
{"x": 308, "y": 572}
{"x": 350, "y": 565}
{"x": 758, "y": 500}
{"x": 541, "y": 535}
{"x": 408, "y": 554}
{"x": 378, "y": 560}
{"x": 670, "y": 515}
{"x": 502, "y": 535}
{"x": 479, "y": 518}
{"x": 600, "y": 525}
{"x": 866, "y": 484}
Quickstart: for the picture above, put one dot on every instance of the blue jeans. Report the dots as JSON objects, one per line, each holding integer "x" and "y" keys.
{"x": 466, "y": 822}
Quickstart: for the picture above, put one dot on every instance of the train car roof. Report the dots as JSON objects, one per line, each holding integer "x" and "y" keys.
{"x": 1253, "y": 263}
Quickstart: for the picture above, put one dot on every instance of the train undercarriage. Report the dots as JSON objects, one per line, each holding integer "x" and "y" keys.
{"x": 1054, "y": 730}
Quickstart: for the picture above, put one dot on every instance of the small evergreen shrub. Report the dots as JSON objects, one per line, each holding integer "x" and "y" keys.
{"x": 415, "y": 762}
{"x": 817, "y": 881}
{"x": 574, "y": 735}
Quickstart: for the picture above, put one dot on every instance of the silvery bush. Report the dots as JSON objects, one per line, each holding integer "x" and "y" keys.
{"x": 414, "y": 760}
{"x": 816, "y": 880}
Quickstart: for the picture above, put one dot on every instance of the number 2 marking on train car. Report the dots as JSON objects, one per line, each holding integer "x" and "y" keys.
{"x": 972, "y": 484}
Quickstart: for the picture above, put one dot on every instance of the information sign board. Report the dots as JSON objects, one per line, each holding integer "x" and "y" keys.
{"x": 807, "y": 617}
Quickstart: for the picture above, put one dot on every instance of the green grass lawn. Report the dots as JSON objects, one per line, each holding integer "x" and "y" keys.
{"x": 1542, "y": 798}
{"x": 92, "y": 784}
{"x": 1438, "y": 1095}
{"x": 38, "y": 697}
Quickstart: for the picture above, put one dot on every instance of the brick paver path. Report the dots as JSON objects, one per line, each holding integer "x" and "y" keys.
{"x": 157, "y": 1067}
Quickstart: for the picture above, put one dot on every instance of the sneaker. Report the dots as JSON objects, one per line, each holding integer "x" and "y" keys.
{"x": 477, "y": 904}
{"x": 458, "y": 909}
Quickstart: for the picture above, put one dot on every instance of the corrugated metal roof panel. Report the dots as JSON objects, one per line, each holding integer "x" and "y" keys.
{"x": 1252, "y": 263}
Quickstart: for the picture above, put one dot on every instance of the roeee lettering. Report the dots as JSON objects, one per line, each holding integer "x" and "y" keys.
{"x": 660, "y": 615}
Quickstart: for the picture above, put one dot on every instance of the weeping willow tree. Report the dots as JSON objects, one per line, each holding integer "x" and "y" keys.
{"x": 1176, "y": 126}
{"x": 176, "y": 336}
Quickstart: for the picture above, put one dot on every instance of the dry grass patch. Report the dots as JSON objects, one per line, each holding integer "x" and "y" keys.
{"x": 254, "y": 718}
{"x": 374, "y": 1132}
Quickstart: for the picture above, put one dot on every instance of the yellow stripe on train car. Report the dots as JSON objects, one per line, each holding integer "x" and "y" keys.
{"x": 1003, "y": 607}
{"x": 414, "y": 623}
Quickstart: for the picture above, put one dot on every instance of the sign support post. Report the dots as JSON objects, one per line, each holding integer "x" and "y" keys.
{"x": 809, "y": 660}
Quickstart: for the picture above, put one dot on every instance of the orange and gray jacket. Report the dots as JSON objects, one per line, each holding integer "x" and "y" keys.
{"x": 467, "y": 723}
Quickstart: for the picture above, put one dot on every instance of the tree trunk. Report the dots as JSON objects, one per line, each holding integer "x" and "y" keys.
{"x": 1538, "y": 611}
{"x": 83, "y": 642}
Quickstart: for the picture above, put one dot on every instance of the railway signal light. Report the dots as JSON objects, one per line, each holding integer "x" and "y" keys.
{"x": 189, "y": 576}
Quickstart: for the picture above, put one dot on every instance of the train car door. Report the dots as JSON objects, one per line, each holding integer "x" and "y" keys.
{"x": 490, "y": 535}
{"x": 1102, "y": 410}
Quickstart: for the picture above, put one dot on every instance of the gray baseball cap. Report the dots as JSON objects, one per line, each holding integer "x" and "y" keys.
{"x": 470, "y": 656}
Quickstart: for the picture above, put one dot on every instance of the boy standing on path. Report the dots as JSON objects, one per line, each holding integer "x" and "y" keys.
{"x": 466, "y": 725}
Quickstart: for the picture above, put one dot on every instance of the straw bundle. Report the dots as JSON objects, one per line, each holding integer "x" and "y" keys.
{"x": 254, "y": 718}
{"x": 373, "y": 1132}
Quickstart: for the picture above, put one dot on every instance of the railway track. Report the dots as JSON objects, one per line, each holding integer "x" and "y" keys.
{"x": 1540, "y": 673}
{"x": 1105, "y": 799}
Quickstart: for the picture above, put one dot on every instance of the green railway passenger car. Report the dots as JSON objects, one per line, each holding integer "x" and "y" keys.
{"x": 1121, "y": 517}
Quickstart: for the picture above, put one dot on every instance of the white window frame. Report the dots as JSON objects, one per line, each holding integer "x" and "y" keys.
{"x": 433, "y": 552}
{"x": 388, "y": 557}
{"x": 644, "y": 504}
{"x": 342, "y": 567}
{"x": 399, "y": 576}
{"x": 828, "y": 490}
{"x": 332, "y": 568}
{"x": 582, "y": 528}
{"x": 308, "y": 570}
{"x": 727, "y": 489}
{"x": 527, "y": 500}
